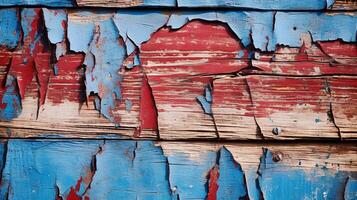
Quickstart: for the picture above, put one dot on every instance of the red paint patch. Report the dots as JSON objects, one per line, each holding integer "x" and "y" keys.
{"x": 213, "y": 185}
{"x": 148, "y": 112}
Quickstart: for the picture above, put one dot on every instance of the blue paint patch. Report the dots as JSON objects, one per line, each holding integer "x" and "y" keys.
{"x": 160, "y": 3}
{"x": 34, "y": 168}
{"x": 11, "y": 100}
{"x": 329, "y": 3}
{"x": 128, "y": 105}
{"x": 351, "y": 189}
{"x": 240, "y": 54}
{"x": 54, "y": 21}
{"x": 9, "y": 27}
{"x": 102, "y": 77}
{"x": 80, "y": 34}
{"x": 278, "y": 181}
{"x": 289, "y": 26}
{"x": 138, "y": 26}
{"x": 188, "y": 176}
{"x": 49, "y": 3}
{"x": 130, "y": 170}
{"x": 206, "y": 100}
{"x": 231, "y": 182}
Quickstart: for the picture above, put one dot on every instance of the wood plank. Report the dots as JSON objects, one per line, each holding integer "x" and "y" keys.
{"x": 98, "y": 169}
{"x": 243, "y": 4}
{"x": 169, "y": 95}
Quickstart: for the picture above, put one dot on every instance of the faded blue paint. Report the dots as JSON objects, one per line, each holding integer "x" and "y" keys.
{"x": 206, "y": 100}
{"x": 102, "y": 77}
{"x": 231, "y": 182}
{"x": 322, "y": 26}
{"x": 54, "y": 20}
{"x": 128, "y": 105}
{"x": 28, "y": 16}
{"x": 160, "y": 3}
{"x": 50, "y": 3}
{"x": 138, "y": 26}
{"x": 130, "y": 170}
{"x": 351, "y": 189}
{"x": 257, "y": 4}
{"x": 188, "y": 175}
{"x": 12, "y": 100}
{"x": 34, "y": 168}
{"x": 9, "y": 27}
{"x": 278, "y": 181}
{"x": 80, "y": 34}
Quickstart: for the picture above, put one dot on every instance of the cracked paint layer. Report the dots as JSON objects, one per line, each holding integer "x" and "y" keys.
{"x": 45, "y": 166}
{"x": 98, "y": 169}
{"x": 131, "y": 30}
{"x": 124, "y": 166}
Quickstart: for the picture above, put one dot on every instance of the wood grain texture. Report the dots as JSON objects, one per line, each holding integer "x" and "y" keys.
{"x": 96, "y": 74}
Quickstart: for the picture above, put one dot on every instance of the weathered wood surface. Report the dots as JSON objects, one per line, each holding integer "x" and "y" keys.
{"x": 98, "y": 169}
{"x": 147, "y": 74}
{"x": 244, "y": 4}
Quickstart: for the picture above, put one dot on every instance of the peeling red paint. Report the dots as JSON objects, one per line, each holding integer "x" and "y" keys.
{"x": 73, "y": 191}
{"x": 213, "y": 185}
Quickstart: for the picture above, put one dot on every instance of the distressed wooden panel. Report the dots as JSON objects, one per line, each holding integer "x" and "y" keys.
{"x": 149, "y": 74}
{"x": 245, "y": 4}
{"x": 97, "y": 169}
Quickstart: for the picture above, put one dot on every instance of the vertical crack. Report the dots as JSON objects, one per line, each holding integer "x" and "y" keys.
{"x": 259, "y": 133}
{"x": 330, "y": 114}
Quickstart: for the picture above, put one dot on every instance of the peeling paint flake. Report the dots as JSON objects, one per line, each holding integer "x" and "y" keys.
{"x": 56, "y": 22}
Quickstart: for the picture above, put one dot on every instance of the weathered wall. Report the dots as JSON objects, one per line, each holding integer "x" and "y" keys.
{"x": 174, "y": 99}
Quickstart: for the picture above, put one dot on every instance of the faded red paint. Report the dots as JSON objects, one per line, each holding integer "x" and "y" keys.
{"x": 213, "y": 185}
{"x": 43, "y": 72}
{"x": 68, "y": 85}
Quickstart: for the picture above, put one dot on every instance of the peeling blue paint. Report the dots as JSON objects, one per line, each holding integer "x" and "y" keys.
{"x": 231, "y": 182}
{"x": 102, "y": 78}
{"x": 188, "y": 176}
{"x": 54, "y": 21}
{"x": 241, "y": 23}
{"x": 34, "y": 168}
{"x": 289, "y": 26}
{"x": 206, "y": 100}
{"x": 130, "y": 170}
{"x": 137, "y": 26}
{"x": 11, "y": 99}
{"x": 80, "y": 34}
{"x": 9, "y": 27}
{"x": 278, "y": 181}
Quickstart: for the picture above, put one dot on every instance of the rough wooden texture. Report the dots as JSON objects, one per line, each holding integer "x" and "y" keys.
{"x": 128, "y": 74}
